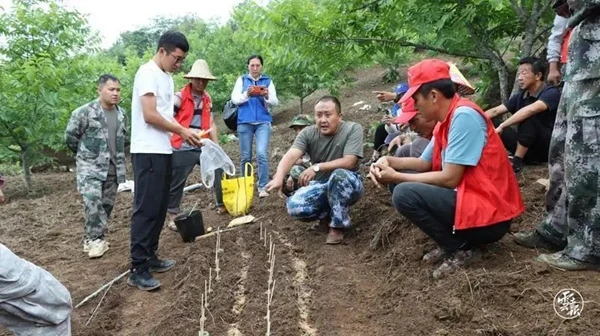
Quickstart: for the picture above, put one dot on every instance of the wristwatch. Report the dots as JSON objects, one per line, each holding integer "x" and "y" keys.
{"x": 316, "y": 168}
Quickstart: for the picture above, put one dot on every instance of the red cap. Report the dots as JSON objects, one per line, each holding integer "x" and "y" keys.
{"x": 408, "y": 112}
{"x": 426, "y": 71}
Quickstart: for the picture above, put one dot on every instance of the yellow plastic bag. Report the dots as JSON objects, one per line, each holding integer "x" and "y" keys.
{"x": 238, "y": 192}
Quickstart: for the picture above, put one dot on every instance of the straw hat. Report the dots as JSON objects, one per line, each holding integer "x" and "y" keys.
{"x": 200, "y": 70}
{"x": 462, "y": 84}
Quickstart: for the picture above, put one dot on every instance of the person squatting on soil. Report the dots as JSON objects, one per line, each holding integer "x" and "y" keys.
{"x": 96, "y": 133}
{"x": 298, "y": 123}
{"x": 533, "y": 110}
{"x": 572, "y": 224}
{"x": 332, "y": 184}
{"x": 32, "y": 301}
{"x": 254, "y": 93}
{"x": 152, "y": 123}
{"x": 387, "y": 130}
{"x": 466, "y": 194}
{"x": 418, "y": 124}
{"x": 192, "y": 109}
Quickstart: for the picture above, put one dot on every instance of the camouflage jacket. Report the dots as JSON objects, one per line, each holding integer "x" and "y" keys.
{"x": 583, "y": 61}
{"x": 87, "y": 136}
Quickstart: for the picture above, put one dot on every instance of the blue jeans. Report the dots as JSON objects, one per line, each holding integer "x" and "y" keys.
{"x": 331, "y": 198}
{"x": 246, "y": 134}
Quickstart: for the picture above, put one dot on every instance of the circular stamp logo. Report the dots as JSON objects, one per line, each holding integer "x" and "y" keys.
{"x": 568, "y": 303}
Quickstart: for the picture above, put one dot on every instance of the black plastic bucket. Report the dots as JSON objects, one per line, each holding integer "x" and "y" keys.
{"x": 190, "y": 225}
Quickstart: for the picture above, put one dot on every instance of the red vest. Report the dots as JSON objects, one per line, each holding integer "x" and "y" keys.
{"x": 488, "y": 193}
{"x": 186, "y": 113}
{"x": 564, "y": 50}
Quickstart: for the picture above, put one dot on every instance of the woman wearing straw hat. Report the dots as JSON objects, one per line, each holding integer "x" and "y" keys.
{"x": 254, "y": 93}
{"x": 193, "y": 109}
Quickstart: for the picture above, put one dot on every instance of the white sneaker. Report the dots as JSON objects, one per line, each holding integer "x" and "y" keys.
{"x": 97, "y": 248}
{"x": 86, "y": 245}
{"x": 262, "y": 193}
{"x": 171, "y": 225}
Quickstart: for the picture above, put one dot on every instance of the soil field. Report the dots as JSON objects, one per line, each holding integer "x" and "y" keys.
{"x": 374, "y": 284}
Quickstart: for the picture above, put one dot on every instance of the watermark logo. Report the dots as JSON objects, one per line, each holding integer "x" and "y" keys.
{"x": 568, "y": 303}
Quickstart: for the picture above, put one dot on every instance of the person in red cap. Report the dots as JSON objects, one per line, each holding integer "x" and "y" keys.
{"x": 418, "y": 124}
{"x": 465, "y": 194}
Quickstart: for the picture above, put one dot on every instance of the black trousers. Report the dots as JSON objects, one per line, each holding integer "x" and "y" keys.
{"x": 379, "y": 138}
{"x": 152, "y": 179}
{"x": 432, "y": 209}
{"x": 531, "y": 134}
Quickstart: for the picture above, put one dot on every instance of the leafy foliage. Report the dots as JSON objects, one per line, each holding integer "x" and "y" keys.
{"x": 50, "y": 60}
{"x": 37, "y": 88}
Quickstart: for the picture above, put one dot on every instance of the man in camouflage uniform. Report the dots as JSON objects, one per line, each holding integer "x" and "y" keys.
{"x": 96, "y": 133}
{"x": 572, "y": 225}
{"x": 298, "y": 123}
{"x": 333, "y": 183}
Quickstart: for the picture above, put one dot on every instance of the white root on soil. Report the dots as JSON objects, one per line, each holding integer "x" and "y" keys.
{"x": 108, "y": 284}
{"x": 210, "y": 280}
{"x": 217, "y": 269}
{"x": 270, "y": 286}
{"x": 202, "y": 316}
{"x": 205, "y": 293}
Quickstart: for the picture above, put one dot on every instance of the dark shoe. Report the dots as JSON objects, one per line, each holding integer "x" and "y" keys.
{"x": 516, "y": 163}
{"x": 335, "y": 236}
{"x": 142, "y": 279}
{"x": 533, "y": 239}
{"x": 564, "y": 262}
{"x": 434, "y": 256}
{"x": 456, "y": 261}
{"x": 160, "y": 266}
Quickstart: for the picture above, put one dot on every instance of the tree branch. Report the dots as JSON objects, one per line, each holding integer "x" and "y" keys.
{"x": 520, "y": 12}
{"x": 403, "y": 43}
{"x": 369, "y": 4}
{"x": 542, "y": 32}
{"x": 12, "y": 135}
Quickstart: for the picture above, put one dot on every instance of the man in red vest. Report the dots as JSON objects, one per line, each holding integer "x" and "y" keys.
{"x": 466, "y": 193}
{"x": 193, "y": 109}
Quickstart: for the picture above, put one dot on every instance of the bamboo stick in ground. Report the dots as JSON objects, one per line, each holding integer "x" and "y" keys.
{"x": 205, "y": 293}
{"x": 210, "y": 280}
{"x": 217, "y": 269}
{"x": 202, "y": 316}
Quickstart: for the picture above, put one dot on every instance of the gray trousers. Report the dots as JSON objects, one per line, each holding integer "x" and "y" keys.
{"x": 184, "y": 163}
{"x": 32, "y": 301}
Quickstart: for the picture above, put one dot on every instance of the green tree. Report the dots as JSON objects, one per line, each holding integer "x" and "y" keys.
{"x": 41, "y": 65}
{"x": 283, "y": 32}
{"x": 479, "y": 31}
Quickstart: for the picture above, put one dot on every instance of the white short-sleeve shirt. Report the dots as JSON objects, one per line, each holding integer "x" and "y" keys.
{"x": 146, "y": 138}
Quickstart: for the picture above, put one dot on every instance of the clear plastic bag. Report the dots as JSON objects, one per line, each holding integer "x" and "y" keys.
{"x": 212, "y": 158}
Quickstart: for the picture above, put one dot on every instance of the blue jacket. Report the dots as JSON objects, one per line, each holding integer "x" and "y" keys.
{"x": 255, "y": 110}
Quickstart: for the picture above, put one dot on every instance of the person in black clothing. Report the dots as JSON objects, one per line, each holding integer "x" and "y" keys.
{"x": 533, "y": 111}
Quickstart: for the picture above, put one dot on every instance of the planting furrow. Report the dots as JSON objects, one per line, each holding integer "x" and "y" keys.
{"x": 240, "y": 293}
{"x": 304, "y": 294}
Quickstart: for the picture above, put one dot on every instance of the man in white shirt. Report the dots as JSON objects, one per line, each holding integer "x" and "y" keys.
{"x": 152, "y": 123}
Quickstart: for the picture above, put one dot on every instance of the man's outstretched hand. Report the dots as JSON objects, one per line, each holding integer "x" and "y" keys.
{"x": 276, "y": 184}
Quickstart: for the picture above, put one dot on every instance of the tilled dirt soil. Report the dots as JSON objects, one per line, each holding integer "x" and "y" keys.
{"x": 362, "y": 287}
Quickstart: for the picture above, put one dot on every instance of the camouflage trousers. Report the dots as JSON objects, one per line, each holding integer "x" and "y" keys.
{"x": 572, "y": 201}
{"x": 98, "y": 202}
{"x": 332, "y": 198}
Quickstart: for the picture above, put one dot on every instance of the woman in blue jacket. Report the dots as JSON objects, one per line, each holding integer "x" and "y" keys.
{"x": 254, "y": 93}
